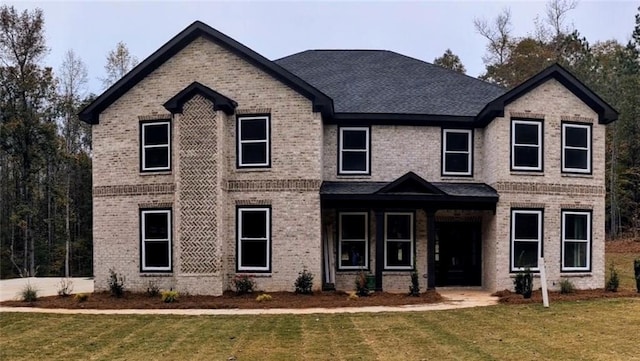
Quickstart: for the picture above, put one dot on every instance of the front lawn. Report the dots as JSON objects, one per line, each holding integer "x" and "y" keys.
{"x": 585, "y": 330}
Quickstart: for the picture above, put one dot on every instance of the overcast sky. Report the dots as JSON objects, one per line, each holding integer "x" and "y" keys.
{"x": 422, "y": 29}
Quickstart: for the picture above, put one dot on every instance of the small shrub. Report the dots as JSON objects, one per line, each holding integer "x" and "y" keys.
{"x": 414, "y": 289}
{"x": 153, "y": 290}
{"x": 566, "y": 286}
{"x": 243, "y": 284}
{"x": 636, "y": 269}
{"x": 170, "y": 296}
{"x": 352, "y": 296}
{"x": 29, "y": 293}
{"x": 523, "y": 283}
{"x": 81, "y": 297}
{"x": 65, "y": 287}
{"x": 116, "y": 284}
{"x": 361, "y": 285}
{"x": 613, "y": 282}
{"x": 304, "y": 282}
{"x": 264, "y": 297}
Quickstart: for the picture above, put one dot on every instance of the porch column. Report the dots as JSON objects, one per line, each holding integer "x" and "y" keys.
{"x": 379, "y": 248}
{"x": 431, "y": 249}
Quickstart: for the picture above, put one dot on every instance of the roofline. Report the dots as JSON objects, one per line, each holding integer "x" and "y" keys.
{"x": 438, "y": 120}
{"x": 220, "y": 101}
{"x": 90, "y": 114}
{"x": 495, "y": 108}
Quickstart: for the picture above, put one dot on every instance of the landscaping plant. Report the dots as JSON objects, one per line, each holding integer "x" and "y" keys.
{"x": 614, "y": 280}
{"x": 170, "y": 296}
{"x": 65, "y": 287}
{"x": 414, "y": 289}
{"x": 636, "y": 269}
{"x": 361, "y": 285}
{"x": 243, "y": 284}
{"x": 264, "y": 297}
{"x": 524, "y": 283}
{"x": 29, "y": 293}
{"x": 116, "y": 284}
{"x": 566, "y": 286}
{"x": 304, "y": 282}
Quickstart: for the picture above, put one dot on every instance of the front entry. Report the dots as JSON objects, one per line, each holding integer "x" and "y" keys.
{"x": 458, "y": 254}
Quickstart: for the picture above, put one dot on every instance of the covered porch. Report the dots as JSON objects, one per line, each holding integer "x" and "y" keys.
{"x": 388, "y": 229}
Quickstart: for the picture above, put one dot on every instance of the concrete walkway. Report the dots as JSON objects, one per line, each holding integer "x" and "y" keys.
{"x": 454, "y": 298}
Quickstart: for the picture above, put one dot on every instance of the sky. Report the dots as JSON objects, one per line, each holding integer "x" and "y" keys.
{"x": 420, "y": 29}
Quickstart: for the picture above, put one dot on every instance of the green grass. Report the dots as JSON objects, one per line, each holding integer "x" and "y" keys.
{"x": 592, "y": 330}
{"x": 624, "y": 265}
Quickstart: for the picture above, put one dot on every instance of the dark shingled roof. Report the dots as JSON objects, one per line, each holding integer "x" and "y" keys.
{"x": 381, "y": 81}
{"x": 450, "y": 189}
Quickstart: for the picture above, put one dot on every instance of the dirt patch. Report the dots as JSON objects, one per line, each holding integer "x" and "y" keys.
{"x": 509, "y": 297}
{"x": 626, "y": 245}
{"x": 229, "y": 301}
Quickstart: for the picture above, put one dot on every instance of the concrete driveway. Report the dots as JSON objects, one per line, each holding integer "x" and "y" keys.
{"x": 46, "y": 286}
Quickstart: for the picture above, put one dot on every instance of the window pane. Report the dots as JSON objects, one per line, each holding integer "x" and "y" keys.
{"x": 156, "y": 134}
{"x": 526, "y": 226}
{"x": 575, "y": 158}
{"x": 575, "y": 226}
{"x": 525, "y": 157}
{"x": 156, "y": 226}
{"x": 354, "y": 161}
{"x": 398, "y": 253}
{"x": 254, "y": 153}
{"x": 575, "y": 136}
{"x": 253, "y": 129}
{"x": 254, "y": 224}
{"x": 353, "y": 254}
{"x": 354, "y": 139}
{"x": 254, "y": 254}
{"x": 457, "y": 142}
{"x": 156, "y": 157}
{"x": 156, "y": 254}
{"x": 456, "y": 162}
{"x": 526, "y": 134}
{"x": 575, "y": 254}
{"x": 525, "y": 254}
{"x": 398, "y": 226}
{"x": 353, "y": 226}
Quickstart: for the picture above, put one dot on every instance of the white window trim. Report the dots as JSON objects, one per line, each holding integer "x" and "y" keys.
{"x": 365, "y": 240}
{"x": 410, "y": 240}
{"x": 366, "y": 151}
{"x": 267, "y": 161}
{"x": 144, "y": 239}
{"x": 469, "y": 151}
{"x": 586, "y": 241}
{"x": 145, "y": 147}
{"x": 566, "y": 147}
{"x": 513, "y": 145}
{"x": 267, "y": 211}
{"x": 514, "y": 240}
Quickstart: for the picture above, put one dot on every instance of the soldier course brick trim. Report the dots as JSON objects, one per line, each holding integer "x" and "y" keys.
{"x": 274, "y": 185}
{"x": 549, "y": 189}
{"x": 133, "y": 189}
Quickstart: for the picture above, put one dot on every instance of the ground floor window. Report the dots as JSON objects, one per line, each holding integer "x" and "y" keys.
{"x": 576, "y": 240}
{"x": 353, "y": 240}
{"x": 398, "y": 240}
{"x": 155, "y": 225}
{"x": 526, "y": 238}
{"x": 254, "y": 239}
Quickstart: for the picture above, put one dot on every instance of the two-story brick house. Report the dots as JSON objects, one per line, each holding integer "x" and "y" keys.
{"x": 210, "y": 160}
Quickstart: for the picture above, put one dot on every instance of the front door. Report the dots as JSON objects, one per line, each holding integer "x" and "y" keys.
{"x": 458, "y": 254}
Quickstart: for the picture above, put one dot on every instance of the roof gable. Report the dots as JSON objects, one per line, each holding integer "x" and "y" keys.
{"x": 91, "y": 112}
{"x": 220, "y": 102}
{"x": 410, "y": 183}
{"x": 495, "y": 108}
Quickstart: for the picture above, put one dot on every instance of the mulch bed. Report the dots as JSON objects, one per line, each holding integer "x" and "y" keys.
{"x": 508, "y": 297}
{"x": 104, "y": 300}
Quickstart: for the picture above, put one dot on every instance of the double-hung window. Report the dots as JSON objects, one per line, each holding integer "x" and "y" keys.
{"x": 398, "y": 241}
{"x": 353, "y": 152}
{"x": 576, "y": 148}
{"x": 457, "y": 152}
{"x": 253, "y": 141}
{"x": 353, "y": 240}
{"x": 526, "y": 239}
{"x": 576, "y": 240}
{"x": 526, "y": 145}
{"x": 254, "y": 239}
{"x": 155, "y": 143}
{"x": 155, "y": 231}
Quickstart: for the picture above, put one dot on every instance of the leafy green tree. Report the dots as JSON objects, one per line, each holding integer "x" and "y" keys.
{"x": 451, "y": 61}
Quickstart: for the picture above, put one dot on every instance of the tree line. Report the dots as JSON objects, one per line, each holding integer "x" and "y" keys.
{"x": 45, "y": 150}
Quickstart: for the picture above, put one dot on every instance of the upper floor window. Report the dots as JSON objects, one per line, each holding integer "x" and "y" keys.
{"x": 253, "y": 141}
{"x": 576, "y": 240}
{"x": 398, "y": 240}
{"x": 353, "y": 240}
{"x": 576, "y": 148}
{"x": 254, "y": 239}
{"x": 526, "y": 145}
{"x": 155, "y": 225}
{"x": 155, "y": 143}
{"x": 457, "y": 152}
{"x": 353, "y": 153}
{"x": 526, "y": 239}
